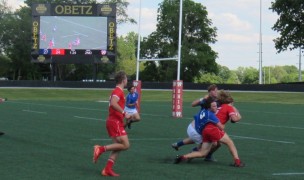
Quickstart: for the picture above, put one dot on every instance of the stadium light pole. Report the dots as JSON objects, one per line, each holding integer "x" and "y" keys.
{"x": 260, "y": 46}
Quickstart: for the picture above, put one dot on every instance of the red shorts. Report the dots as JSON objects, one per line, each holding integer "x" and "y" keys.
{"x": 212, "y": 134}
{"x": 115, "y": 128}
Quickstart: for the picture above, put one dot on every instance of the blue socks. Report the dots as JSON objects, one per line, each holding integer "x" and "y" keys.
{"x": 180, "y": 143}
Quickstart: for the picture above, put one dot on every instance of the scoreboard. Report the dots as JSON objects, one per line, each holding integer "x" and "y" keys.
{"x": 73, "y": 33}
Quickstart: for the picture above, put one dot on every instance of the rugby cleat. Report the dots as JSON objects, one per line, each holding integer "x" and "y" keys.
{"x": 239, "y": 164}
{"x": 108, "y": 172}
{"x": 98, "y": 150}
{"x": 174, "y": 146}
{"x": 178, "y": 159}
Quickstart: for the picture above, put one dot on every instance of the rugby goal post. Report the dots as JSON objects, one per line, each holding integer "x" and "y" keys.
{"x": 177, "y": 87}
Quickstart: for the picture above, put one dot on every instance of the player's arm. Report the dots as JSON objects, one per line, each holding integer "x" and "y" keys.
{"x": 114, "y": 103}
{"x": 220, "y": 125}
{"x": 236, "y": 116}
{"x": 216, "y": 121}
{"x": 198, "y": 102}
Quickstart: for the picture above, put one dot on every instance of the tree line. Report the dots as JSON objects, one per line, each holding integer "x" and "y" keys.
{"x": 197, "y": 61}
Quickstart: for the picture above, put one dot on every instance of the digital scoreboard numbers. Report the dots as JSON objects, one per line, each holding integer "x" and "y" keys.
{"x": 73, "y": 33}
{"x": 62, "y": 52}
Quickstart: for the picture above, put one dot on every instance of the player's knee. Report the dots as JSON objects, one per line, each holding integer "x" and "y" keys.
{"x": 126, "y": 146}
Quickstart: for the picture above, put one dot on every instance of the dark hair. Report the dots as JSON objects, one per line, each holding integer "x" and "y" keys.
{"x": 130, "y": 87}
{"x": 120, "y": 76}
{"x": 212, "y": 87}
{"x": 207, "y": 102}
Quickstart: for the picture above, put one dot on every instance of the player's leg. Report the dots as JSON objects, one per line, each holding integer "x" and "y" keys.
{"x": 227, "y": 141}
{"x": 120, "y": 143}
{"x": 134, "y": 118}
{"x": 214, "y": 148}
{"x": 193, "y": 137}
{"x": 119, "y": 137}
{"x": 203, "y": 151}
{"x": 180, "y": 143}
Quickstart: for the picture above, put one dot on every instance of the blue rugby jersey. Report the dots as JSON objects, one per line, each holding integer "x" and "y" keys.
{"x": 131, "y": 99}
{"x": 204, "y": 117}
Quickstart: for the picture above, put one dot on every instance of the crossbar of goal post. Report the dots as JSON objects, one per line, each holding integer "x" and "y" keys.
{"x": 177, "y": 88}
{"x": 158, "y": 59}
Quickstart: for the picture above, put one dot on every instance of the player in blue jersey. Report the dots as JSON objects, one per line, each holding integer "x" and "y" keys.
{"x": 204, "y": 116}
{"x": 213, "y": 135}
{"x": 212, "y": 92}
{"x": 131, "y": 106}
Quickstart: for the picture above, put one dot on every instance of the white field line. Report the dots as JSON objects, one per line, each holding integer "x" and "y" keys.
{"x": 274, "y": 126}
{"x": 95, "y": 119}
{"x": 260, "y": 139}
{"x": 166, "y": 139}
{"x": 287, "y": 174}
{"x": 103, "y": 101}
{"x": 38, "y": 112}
{"x": 140, "y": 139}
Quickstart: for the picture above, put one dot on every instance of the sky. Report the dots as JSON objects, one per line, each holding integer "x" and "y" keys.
{"x": 238, "y": 24}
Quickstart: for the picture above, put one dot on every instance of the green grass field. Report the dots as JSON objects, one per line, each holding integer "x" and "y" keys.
{"x": 50, "y": 134}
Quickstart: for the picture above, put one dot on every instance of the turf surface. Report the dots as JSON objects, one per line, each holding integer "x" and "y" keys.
{"x": 50, "y": 134}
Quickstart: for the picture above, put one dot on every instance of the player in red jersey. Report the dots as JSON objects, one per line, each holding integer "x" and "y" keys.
{"x": 213, "y": 136}
{"x": 212, "y": 92}
{"x": 226, "y": 112}
{"x": 115, "y": 126}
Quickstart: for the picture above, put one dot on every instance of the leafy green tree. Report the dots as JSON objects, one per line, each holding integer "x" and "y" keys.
{"x": 126, "y": 53}
{"x": 122, "y": 16}
{"x": 197, "y": 57}
{"x": 4, "y": 66}
{"x": 209, "y": 78}
{"x": 247, "y": 75}
{"x": 290, "y": 78}
{"x": 224, "y": 73}
{"x": 291, "y": 69}
{"x": 290, "y": 24}
{"x": 292, "y": 74}
{"x": 240, "y": 72}
{"x": 233, "y": 78}
{"x": 15, "y": 42}
{"x": 278, "y": 73}
{"x": 250, "y": 76}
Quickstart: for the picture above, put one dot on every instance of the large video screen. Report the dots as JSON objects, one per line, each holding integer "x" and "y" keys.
{"x": 73, "y": 33}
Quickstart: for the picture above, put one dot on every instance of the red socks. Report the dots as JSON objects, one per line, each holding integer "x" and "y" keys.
{"x": 237, "y": 161}
{"x": 110, "y": 164}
